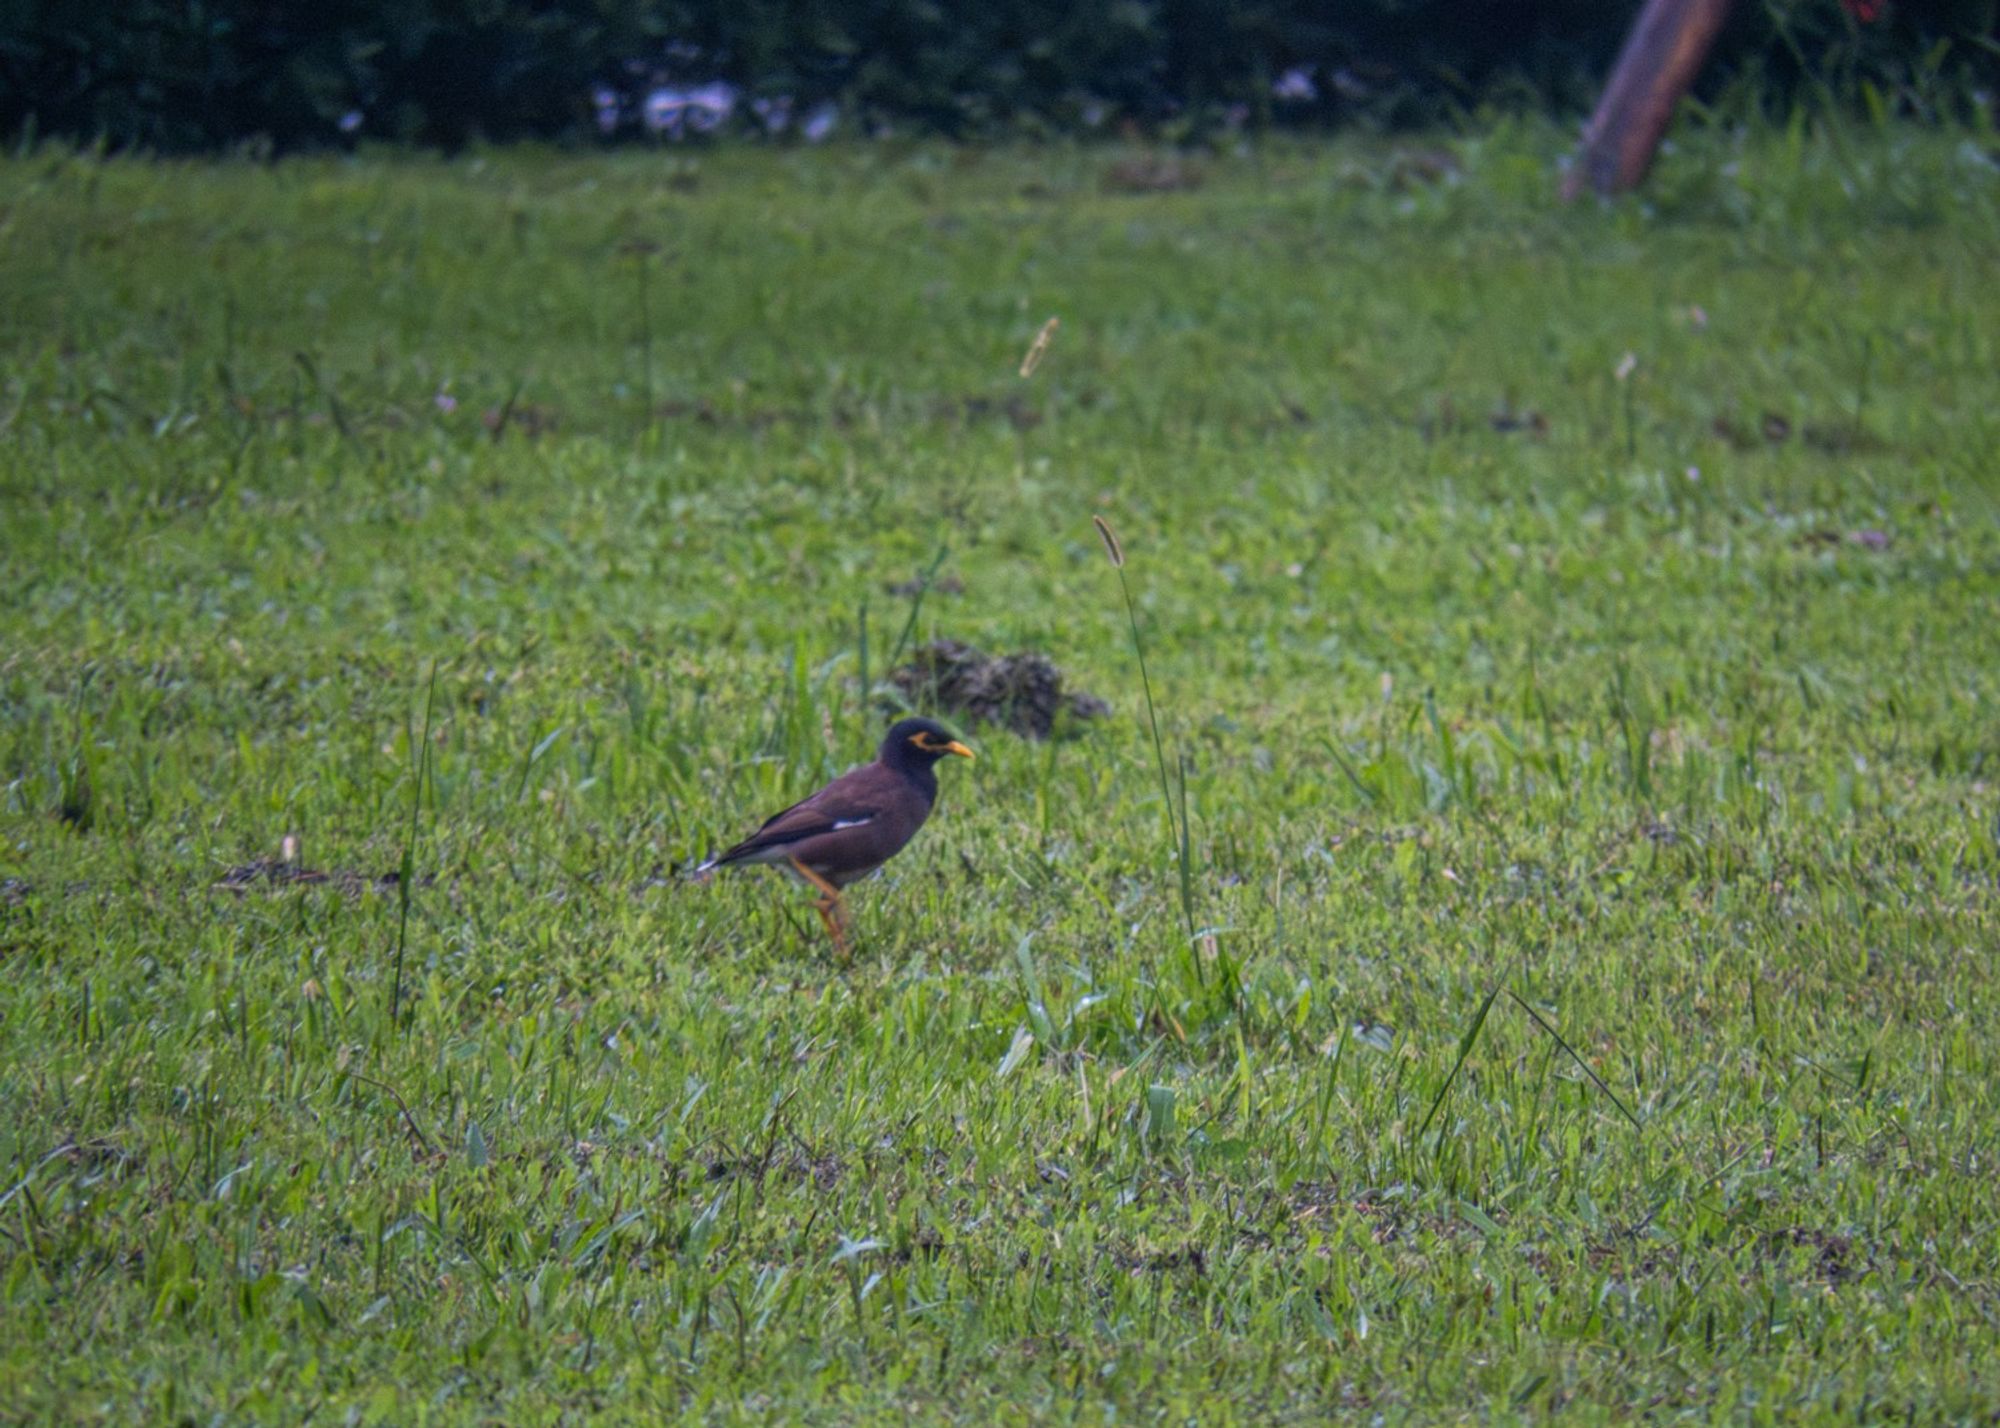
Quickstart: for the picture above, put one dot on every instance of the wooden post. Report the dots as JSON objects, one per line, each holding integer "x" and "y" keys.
{"x": 1662, "y": 55}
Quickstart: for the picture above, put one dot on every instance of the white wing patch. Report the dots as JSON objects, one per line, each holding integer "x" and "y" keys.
{"x": 841, "y": 823}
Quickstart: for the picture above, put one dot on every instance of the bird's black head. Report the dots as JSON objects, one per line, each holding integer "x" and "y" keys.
{"x": 919, "y": 743}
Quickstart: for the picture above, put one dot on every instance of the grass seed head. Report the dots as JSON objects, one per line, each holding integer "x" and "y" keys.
{"x": 1039, "y": 348}
{"x": 1110, "y": 538}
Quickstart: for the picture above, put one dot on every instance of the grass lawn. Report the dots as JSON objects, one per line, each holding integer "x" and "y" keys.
{"x": 1586, "y": 771}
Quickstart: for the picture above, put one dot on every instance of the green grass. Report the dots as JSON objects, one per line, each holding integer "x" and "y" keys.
{"x": 1590, "y": 829}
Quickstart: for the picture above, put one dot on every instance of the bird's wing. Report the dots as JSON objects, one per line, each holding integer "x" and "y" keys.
{"x": 838, "y": 805}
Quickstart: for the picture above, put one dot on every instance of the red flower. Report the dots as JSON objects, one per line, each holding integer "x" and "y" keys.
{"x": 1866, "y": 11}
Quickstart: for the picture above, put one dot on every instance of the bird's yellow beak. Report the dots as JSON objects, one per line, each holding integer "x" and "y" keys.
{"x": 954, "y": 747}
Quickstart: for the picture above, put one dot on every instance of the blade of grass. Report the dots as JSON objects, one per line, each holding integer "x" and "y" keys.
{"x": 1361, "y": 786}
{"x": 917, "y": 603}
{"x": 408, "y": 874}
{"x": 1582, "y": 1065}
{"x": 1464, "y": 1049}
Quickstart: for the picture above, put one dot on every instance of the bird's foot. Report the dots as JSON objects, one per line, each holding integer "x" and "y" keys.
{"x": 833, "y": 912}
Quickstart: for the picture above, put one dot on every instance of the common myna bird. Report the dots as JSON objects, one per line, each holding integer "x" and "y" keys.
{"x": 856, "y": 823}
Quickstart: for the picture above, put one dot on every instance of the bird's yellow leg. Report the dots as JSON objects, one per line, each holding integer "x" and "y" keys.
{"x": 832, "y": 909}
{"x": 832, "y": 914}
{"x": 832, "y": 892}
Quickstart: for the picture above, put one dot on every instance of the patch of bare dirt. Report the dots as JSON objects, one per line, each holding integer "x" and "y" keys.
{"x": 1775, "y": 429}
{"x": 1836, "y": 1258}
{"x": 1152, "y": 173}
{"x": 803, "y": 1163}
{"x": 531, "y": 419}
{"x": 916, "y": 585}
{"x": 1019, "y": 412}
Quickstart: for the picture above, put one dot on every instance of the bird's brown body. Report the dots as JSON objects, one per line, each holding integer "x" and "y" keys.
{"x": 856, "y": 823}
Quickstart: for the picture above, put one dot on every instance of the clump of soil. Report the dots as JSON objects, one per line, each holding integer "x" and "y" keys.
{"x": 1023, "y": 692}
{"x": 275, "y": 872}
{"x": 286, "y": 870}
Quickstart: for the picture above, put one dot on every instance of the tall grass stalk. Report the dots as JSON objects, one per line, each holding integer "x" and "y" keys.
{"x": 924, "y": 583}
{"x": 1177, "y": 832}
{"x": 1024, "y": 420}
{"x": 1627, "y": 365}
{"x": 407, "y": 877}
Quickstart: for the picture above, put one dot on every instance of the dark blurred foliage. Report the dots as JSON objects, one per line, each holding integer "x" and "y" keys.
{"x": 178, "y": 76}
